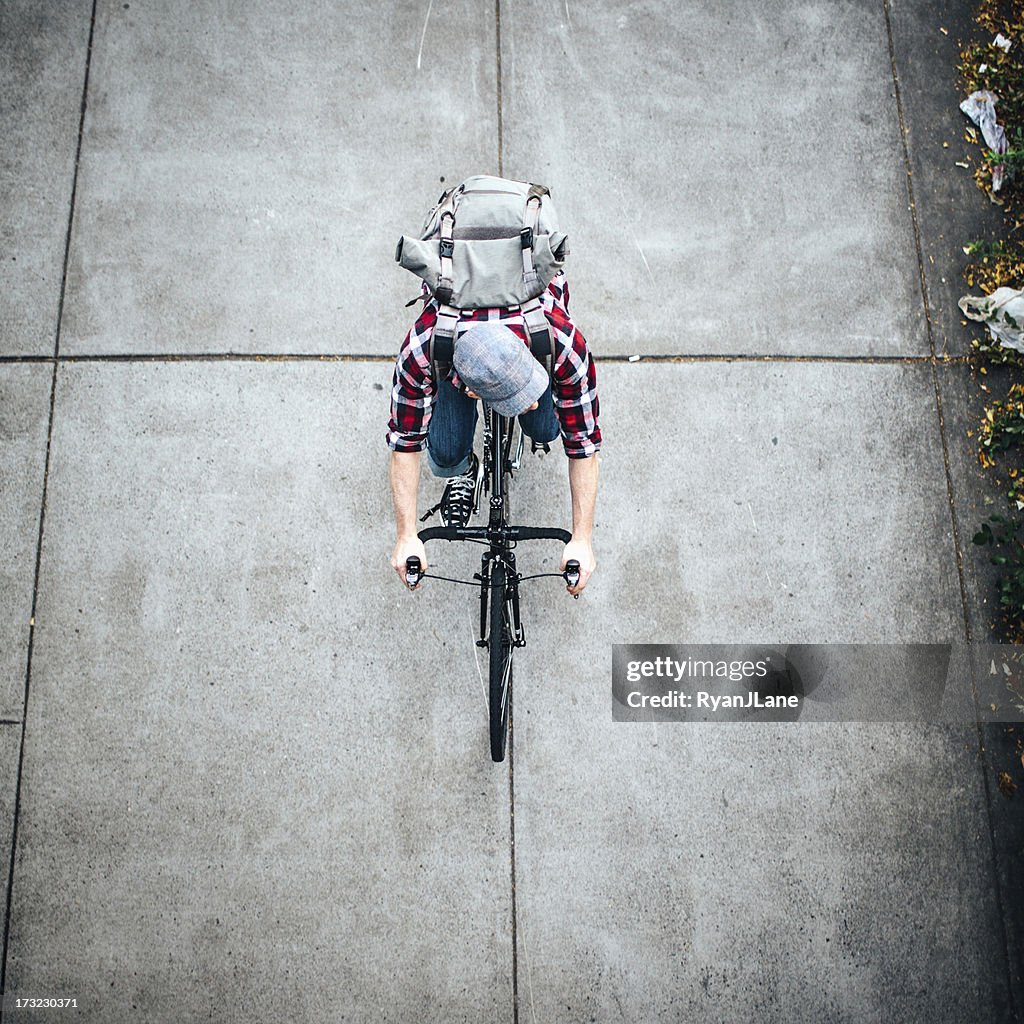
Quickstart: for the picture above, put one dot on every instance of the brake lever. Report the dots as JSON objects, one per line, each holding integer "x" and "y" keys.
{"x": 413, "y": 572}
{"x": 571, "y": 575}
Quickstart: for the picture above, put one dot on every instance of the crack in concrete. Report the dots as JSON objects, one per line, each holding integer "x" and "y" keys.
{"x": 371, "y": 357}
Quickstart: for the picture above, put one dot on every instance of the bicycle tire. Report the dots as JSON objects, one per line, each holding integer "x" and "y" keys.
{"x": 500, "y": 644}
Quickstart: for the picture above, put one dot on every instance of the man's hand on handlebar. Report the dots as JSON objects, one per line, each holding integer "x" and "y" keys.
{"x": 408, "y": 547}
{"x": 581, "y": 551}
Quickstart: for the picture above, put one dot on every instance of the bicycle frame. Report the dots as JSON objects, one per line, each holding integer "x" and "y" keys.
{"x": 501, "y": 627}
{"x": 498, "y": 467}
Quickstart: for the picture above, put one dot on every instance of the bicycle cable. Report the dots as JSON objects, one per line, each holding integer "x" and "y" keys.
{"x": 448, "y": 579}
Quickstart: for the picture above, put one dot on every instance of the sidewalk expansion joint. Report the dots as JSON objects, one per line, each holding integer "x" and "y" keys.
{"x": 926, "y": 304}
{"x": 497, "y": 50}
{"x": 370, "y": 357}
{"x": 512, "y": 863}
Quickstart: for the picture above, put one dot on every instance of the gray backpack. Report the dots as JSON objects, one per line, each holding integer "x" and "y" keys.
{"x": 488, "y": 242}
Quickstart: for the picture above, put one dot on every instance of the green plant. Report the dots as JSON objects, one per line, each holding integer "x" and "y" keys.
{"x": 1003, "y": 425}
{"x": 993, "y": 264}
{"x": 1016, "y": 491}
{"x": 997, "y": 354}
{"x": 1012, "y": 161}
{"x": 984, "y": 248}
{"x": 1008, "y": 553}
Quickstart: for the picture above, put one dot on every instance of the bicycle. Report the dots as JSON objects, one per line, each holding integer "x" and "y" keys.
{"x": 501, "y": 627}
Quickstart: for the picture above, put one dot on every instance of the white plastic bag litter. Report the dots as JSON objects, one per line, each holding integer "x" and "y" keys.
{"x": 1002, "y": 312}
{"x": 980, "y": 107}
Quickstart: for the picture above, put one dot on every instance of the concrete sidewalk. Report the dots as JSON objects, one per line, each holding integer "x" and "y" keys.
{"x": 243, "y": 775}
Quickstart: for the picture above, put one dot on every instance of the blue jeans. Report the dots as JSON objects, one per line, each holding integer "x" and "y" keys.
{"x": 453, "y": 424}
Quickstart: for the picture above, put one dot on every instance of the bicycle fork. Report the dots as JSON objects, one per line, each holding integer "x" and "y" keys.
{"x": 511, "y": 596}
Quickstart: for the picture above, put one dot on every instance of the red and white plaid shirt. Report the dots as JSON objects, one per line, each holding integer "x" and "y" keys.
{"x": 575, "y": 378}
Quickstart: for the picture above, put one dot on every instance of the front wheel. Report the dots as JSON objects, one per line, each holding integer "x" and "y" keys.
{"x": 500, "y": 643}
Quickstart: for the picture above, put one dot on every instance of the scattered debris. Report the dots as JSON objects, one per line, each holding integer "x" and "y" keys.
{"x": 1002, "y": 312}
{"x": 980, "y": 107}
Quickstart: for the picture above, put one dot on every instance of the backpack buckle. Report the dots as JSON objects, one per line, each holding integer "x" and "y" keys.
{"x": 526, "y": 238}
{"x": 447, "y": 248}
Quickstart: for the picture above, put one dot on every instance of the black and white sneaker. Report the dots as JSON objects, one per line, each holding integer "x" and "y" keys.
{"x": 457, "y": 502}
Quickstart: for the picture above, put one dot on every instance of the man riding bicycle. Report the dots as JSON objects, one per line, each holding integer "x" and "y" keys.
{"x": 492, "y": 361}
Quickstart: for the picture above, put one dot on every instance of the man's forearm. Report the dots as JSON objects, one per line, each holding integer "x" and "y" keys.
{"x": 405, "y": 485}
{"x": 583, "y": 487}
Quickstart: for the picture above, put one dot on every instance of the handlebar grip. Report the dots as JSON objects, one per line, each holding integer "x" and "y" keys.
{"x": 441, "y": 533}
{"x": 540, "y": 533}
{"x": 413, "y": 571}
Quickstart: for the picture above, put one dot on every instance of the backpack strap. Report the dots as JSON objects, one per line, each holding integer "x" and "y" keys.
{"x": 443, "y": 290}
{"x": 441, "y": 346}
{"x": 531, "y": 216}
{"x": 447, "y": 316}
{"x": 446, "y": 245}
{"x": 542, "y": 344}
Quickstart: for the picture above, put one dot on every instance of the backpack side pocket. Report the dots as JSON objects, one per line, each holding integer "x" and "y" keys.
{"x": 421, "y": 258}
